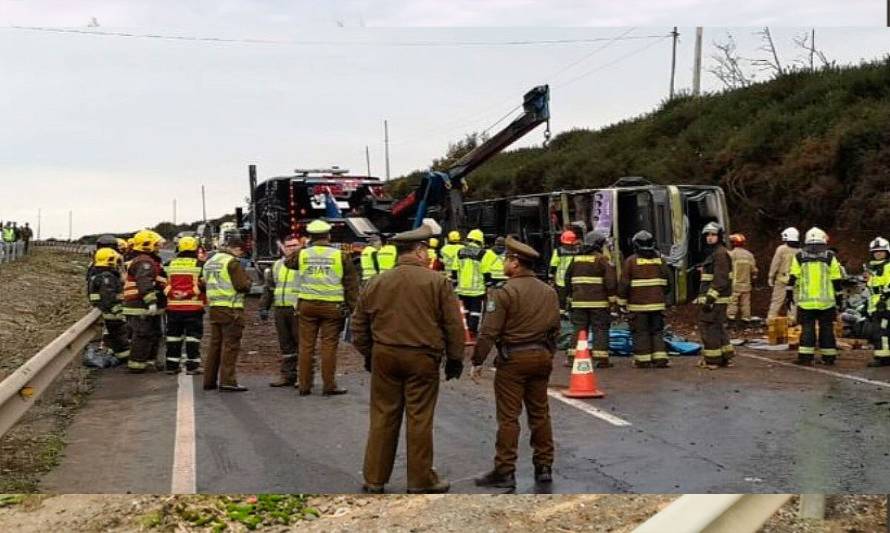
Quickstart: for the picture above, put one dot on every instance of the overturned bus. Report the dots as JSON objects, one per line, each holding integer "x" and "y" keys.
{"x": 674, "y": 214}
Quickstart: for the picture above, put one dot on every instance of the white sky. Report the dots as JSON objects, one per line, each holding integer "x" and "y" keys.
{"x": 115, "y": 128}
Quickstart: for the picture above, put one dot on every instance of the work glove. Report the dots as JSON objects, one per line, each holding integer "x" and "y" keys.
{"x": 153, "y": 309}
{"x": 368, "y": 363}
{"x": 453, "y": 369}
{"x": 264, "y": 314}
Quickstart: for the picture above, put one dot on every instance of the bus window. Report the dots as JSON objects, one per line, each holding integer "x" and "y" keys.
{"x": 635, "y": 213}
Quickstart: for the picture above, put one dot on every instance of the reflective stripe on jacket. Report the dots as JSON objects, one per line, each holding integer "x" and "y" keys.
{"x": 470, "y": 279}
{"x": 287, "y": 284}
{"x": 184, "y": 285}
{"x": 321, "y": 274}
{"x": 220, "y": 290}
{"x": 815, "y": 274}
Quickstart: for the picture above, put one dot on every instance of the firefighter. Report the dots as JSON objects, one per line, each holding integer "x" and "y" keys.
{"x": 432, "y": 255}
{"x": 185, "y": 308}
{"x": 715, "y": 293}
{"x": 105, "y": 242}
{"x": 591, "y": 290}
{"x": 493, "y": 263}
{"x": 403, "y": 356}
{"x": 522, "y": 319}
{"x": 105, "y": 288}
{"x": 470, "y": 278}
{"x": 642, "y": 292}
{"x": 144, "y": 299}
{"x": 778, "y": 275}
{"x": 744, "y": 272}
{"x": 560, "y": 261}
{"x": 369, "y": 258}
{"x": 816, "y": 277}
{"x": 281, "y": 290}
{"x": 226, "y": 284}
{"x": 878, "y": 272}
{"x": 449, "y": 252}
{"x": 327, "y": 295}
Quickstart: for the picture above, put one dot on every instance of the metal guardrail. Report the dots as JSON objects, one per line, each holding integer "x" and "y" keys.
{"x": 22, "y": 388}
{"x": 65, "y": 246}
{"x": 11, "y": 251}
{"x": 715, "y": 513}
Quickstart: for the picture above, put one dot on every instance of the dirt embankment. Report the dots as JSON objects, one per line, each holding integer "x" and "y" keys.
{"x": 40, "y": 297}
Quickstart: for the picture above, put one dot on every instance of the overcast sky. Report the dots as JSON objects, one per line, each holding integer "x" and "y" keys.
{"x": 114, "y": 128}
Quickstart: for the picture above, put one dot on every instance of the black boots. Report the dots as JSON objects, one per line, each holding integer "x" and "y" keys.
{"x": 495, "y": 480}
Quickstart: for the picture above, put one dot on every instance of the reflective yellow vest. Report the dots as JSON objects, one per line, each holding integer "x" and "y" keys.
{"x": 815, "y": 273}
{"x": 182, "y": 290}
{"x": 220, "y": 291}
{"x": 449, "y": 255}
{"x": 386, "y": 257}
{"x": 878, "y": 283}
{"x": 561, "y": 260}
{"x": 369, "y": 267}
{"x": 470, "y": 279}
{"x": 321, "y": 274}
{"x": 8, "y": 234}
{"x": 287, "y": 283}
{"x": 493, "y": 264}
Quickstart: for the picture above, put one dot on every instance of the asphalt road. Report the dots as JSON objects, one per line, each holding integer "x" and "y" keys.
{"x": 757, "y": 427}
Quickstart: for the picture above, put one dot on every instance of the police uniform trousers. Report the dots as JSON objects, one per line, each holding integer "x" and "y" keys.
{"x": 599, "y": 321}
{"x": 648, "y": 336}
{"x": 881, "y": 336}
{"x": 473, "y": 311}
{"x": 522, "y": 380}
{"x": 777, "y": 303}
{"x": 809, "y": 318}
{"x": 184, "y": 328}
{"x": 226, "y": 328}
{"x": 145, "y": 338}
{"x": 740, "y": 306}
{"x": 404, "y": 382}
{"x": 116, "y": 337}
{"x": 319, "y": 319}
{"x": 716, "y": 348}
{"x": 288, "y": 340}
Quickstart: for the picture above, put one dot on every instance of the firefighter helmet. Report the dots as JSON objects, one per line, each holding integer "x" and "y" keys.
{"x": 713, "y": 228}
{"x": 123, "y": 245}
{"x": 738, "y": 239}
{"x": 434, "y": 243}
{"x": 107, "y": 241}
{"x": 568, "y": 238}
{"x": 880, "y": 244}
{"x": 453, "y": 236}
{"x": 147, "y": 241}
{"x": 643, "y": 241}
{"x": 188, "y": 244}
{"x": 107, "y": 257}
{"x": 476, "y": 235}
{"x": 595, "y": 239}
{"x": 815, "y": 236}
{"x": 790, "y": 235}
{"x": 318, "y": 227}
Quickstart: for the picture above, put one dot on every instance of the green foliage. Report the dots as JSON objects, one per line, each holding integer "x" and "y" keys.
{"x": 219, "y": 513}
{"x": 7, "y": 500}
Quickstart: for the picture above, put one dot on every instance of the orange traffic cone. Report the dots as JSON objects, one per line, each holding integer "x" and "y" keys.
{"x": 583, "y": 383}
{"x": 468, "y": 336}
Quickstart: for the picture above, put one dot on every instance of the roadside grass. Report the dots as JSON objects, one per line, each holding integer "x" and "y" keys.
{"x": 222, "y": 513}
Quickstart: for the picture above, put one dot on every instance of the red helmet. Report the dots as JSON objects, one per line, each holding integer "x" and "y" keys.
{"x": 737, "y": 239}
{"x": 568, "y": 238}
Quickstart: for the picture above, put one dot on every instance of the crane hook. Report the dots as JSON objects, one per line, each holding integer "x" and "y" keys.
{"x": 546, "y": 135}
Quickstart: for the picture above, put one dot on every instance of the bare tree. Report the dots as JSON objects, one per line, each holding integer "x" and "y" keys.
{"x": 771, "y": 63}
{"x": 728, "y": 68}
{"x": 807, "y": 41}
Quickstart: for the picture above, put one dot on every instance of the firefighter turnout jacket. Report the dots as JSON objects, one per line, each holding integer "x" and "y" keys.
{"x": 878, "y": 283}
{"x": 644, "y": 284}
{"x": 817, "y": 276}
{"x": 104, "y": 290}
{"x": 591, "y": 282}
{"x": 185, "y": 290}
{"x": 144, "y": 285}
{"x": 716, "y": 277}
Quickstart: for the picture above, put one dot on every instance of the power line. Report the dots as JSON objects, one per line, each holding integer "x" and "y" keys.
{"x": 609, "y": 42}
{"x": 614, "y": 62}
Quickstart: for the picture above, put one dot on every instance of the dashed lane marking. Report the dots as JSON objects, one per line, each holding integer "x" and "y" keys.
{"x": 589, "y": 409}
{"x": 184, "y": 472}
{"x": 820, "y": 370}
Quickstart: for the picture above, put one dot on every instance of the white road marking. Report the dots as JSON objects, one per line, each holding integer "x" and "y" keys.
{"x": 184, "y": 467}
{"x": 589, "y": 409}
{"x": 819, "y": 370}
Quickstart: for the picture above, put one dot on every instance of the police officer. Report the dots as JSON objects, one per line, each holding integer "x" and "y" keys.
{"x": 642, "y": 291}
{"x": 878, "y": 272}
{"x": 327, "y": 295}
{"x": 522, "y": 319}
{"x": 144, "y": 299}
{"x": 403, "y": 356}
{"x": 104, "y": 291}
{"x": 227, "y": 284}
{"x": 715, "y": 293}
{"x": 281, "y": 291}
{"x": 185, "y": 308}
{"x": 591, "y": 289}
{"x": 816, "y": 275}
{"x": 470, "y": 277}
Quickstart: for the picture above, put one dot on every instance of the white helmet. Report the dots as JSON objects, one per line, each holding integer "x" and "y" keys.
{"x": 816, "y": 236}
{"x": 790, "y": 234}
{"x": 879, "y": 244}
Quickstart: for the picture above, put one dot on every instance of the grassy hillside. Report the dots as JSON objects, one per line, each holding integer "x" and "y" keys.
{"x": 805, "y": 148}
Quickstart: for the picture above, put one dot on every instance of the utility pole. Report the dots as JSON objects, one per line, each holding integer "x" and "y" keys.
{"x": 368, "y": 160}
{"x": 813, "y": 45}
{"x": 38, "y": 223}
{"x": 696, "y": 68}
{"x": 203, "y": 205}
{"x": 386, "y": 145}
{"x": 69, "y": 226}
{"x": 673, "y": 60}
{"x": 174, "y": 211}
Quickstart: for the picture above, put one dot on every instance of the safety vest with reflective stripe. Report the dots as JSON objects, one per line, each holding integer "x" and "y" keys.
{"x": 8, "y": 235}
{"x": 220, "y": 290}
{"x": 449, "y": 255}
{"x": 386, "y": 257}
{"x": 470, "y": 279}
{"x": 815, "y": 274}
{"x": 321, "y": 274}
{"x": 493, "y": 264}
{"x": 431, "y": 258}
{"x": 561, "y": 260}
{"x": 287, "y": 284}
{"x": 183, "y": 288}
{"x": 369, "y": 267}
{"x": 878, "y": 283}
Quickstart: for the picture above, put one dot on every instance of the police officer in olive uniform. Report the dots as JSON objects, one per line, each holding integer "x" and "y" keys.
{"x": 281, "y": 290}
{"x": 327, "y": 295}
{"x": 407, "y": 319}
{"x": 522, "y": 319}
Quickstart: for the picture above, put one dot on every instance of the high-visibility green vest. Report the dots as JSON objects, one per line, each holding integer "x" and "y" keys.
{"x": 321, "y": 274}
{"x": 220, "y": 291}
{"x": 470, "y": 281}
{"x": 386, "y": 257}
{"x": 878, "y": 283}
{"x": 493, "y": 264}
{"x": 287, "y": 284}
{"x": 449, "y": 255}
{"x": 815, "y": 273}
{"x": 8, "y": 235}
{"x": 561, "y": 260}
{"x": 369, "y": 266}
